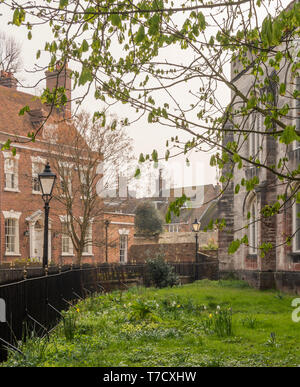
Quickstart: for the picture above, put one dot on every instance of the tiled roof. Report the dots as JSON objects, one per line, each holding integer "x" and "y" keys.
{"x": 13, "y": 125}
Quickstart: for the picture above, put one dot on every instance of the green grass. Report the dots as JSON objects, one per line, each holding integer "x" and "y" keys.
{"x": 207, "y": 323}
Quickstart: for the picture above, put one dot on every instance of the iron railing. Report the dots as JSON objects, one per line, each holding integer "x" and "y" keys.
{"x": 35, "y": 301}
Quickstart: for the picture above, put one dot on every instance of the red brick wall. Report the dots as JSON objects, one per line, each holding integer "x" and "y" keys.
{"x": 117, "y": 222}
{"x": 172, "y": 252}
{"x": 27, "y": 203}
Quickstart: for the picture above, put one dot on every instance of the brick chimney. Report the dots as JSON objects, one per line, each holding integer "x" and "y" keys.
{"x": 60, "y": 77}
{"x": 8, "y": 80}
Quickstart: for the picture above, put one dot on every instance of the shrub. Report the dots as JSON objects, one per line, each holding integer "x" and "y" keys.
{"x": 211, "y": 245}
{"x": 160, "y": 273}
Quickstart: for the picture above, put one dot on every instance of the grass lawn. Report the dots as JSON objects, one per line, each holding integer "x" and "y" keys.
{"x": 207, "y": 323}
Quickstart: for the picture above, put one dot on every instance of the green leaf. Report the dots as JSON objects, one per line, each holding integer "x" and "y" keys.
{"x": 282, "y": 88}
{"x": 23, "y": 110}
{"x": 85, "y": 76}
{"x": 289, "y": 135}
{"x": 115, "y": 20}
{"x": 84, "y": 46}
{"x": 201, "y": 20}
{"x": 140, "y": 36}
{"x": 137, "y": 172}
{"x": 154, "y": 155}
{"x": 141, "y": 158}
{"x": 63, "y": 3}
{"x": 233, "y": 247}
{"x": 18, "y": 16}
{"x": 154, "y": 25}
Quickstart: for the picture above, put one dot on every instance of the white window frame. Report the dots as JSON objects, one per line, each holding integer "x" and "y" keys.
{"x": 64, "y": 222}
{"x": 66, "y": 166}
{"x": 173, "y": 227}
{"x": 296, "y": 249}
{"x": 36, "y": 161}
{"x": 123, "y": 237}
{"x": 88, "y": 247}
{"x": 255, "y": 138}
{"x": 15, "y": 159}
{"x": 253, "y": 228}
{"x": 82, "y": 179}
{"x": 15, "y": 216}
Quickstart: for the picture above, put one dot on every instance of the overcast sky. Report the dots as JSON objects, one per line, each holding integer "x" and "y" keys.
{"x": 146, "y": 136}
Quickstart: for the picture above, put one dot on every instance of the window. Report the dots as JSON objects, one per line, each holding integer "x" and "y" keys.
{"x": 254, "y": 137}
{"x": 66, "y": 241}
{"x": 10, "y": 235}
{"x": 11, "y": 229}
{"x": 11, "y": 172}
{"x": 173, "y": 228}
{"x": 88, "y": 248}
{"x": 36, "y": 169}
{"x": 65, "y": 170}
{"x": 84, "y": 184}
{"x": 253, "y": 228}
{"x": 296, "y": 227}
{"x": 123, "y": 248}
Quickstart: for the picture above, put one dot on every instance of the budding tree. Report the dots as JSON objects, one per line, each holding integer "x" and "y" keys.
{"x": 171, "y": 64}
{"x": 10, "y": 54}
{"x": 77, "y": 157}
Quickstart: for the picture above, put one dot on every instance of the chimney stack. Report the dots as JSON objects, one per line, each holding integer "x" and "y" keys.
{"x": 60, "y": 77}
{"x": 8, "y": 80}
{"x": 160, "y": 184}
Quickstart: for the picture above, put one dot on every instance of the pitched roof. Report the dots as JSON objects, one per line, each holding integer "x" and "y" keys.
{"x": 15, "y": 126}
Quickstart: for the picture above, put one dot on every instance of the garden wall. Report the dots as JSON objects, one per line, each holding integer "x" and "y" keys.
{"x": 285, "y": 281}
{"x": 172, "y": 252}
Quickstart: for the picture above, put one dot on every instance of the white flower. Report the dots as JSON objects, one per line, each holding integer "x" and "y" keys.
{"x": 218, "y": 307}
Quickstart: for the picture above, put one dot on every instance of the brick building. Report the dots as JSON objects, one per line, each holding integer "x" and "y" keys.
{"x": 120, "y": 236}
{"x": 280, "y": 267}
{"x": 21, "y": 204}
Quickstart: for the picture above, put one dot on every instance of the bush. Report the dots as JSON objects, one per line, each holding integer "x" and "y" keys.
{"x": 160, "y": 273}
{"x": 148, "y": 220}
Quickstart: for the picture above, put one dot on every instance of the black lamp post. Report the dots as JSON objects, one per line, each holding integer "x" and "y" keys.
{"x": 46, "y": 180}
{"x": 196, "y": 228}
{"x": 106, "y": 222}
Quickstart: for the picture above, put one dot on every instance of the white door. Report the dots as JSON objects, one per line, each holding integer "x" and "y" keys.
{"x": 38, "y": 241}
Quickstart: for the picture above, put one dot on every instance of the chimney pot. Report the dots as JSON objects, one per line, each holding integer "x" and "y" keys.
{"x": 7, "y": 79}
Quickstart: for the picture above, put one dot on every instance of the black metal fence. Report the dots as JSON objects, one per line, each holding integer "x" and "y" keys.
{"x": 36, "y": 301}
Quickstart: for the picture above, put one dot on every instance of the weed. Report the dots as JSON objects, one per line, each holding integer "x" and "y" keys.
{"x": 249, "y": 322}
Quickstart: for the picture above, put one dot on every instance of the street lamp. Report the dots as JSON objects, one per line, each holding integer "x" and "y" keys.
{"x": 46, "y": 180}
{"x": 196, "y": 228}
{"x": 106, "y": 222}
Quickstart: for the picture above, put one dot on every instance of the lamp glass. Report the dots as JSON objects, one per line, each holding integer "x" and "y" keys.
{"x": 196, "y": 226}
{"x": 46, "y": 180}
